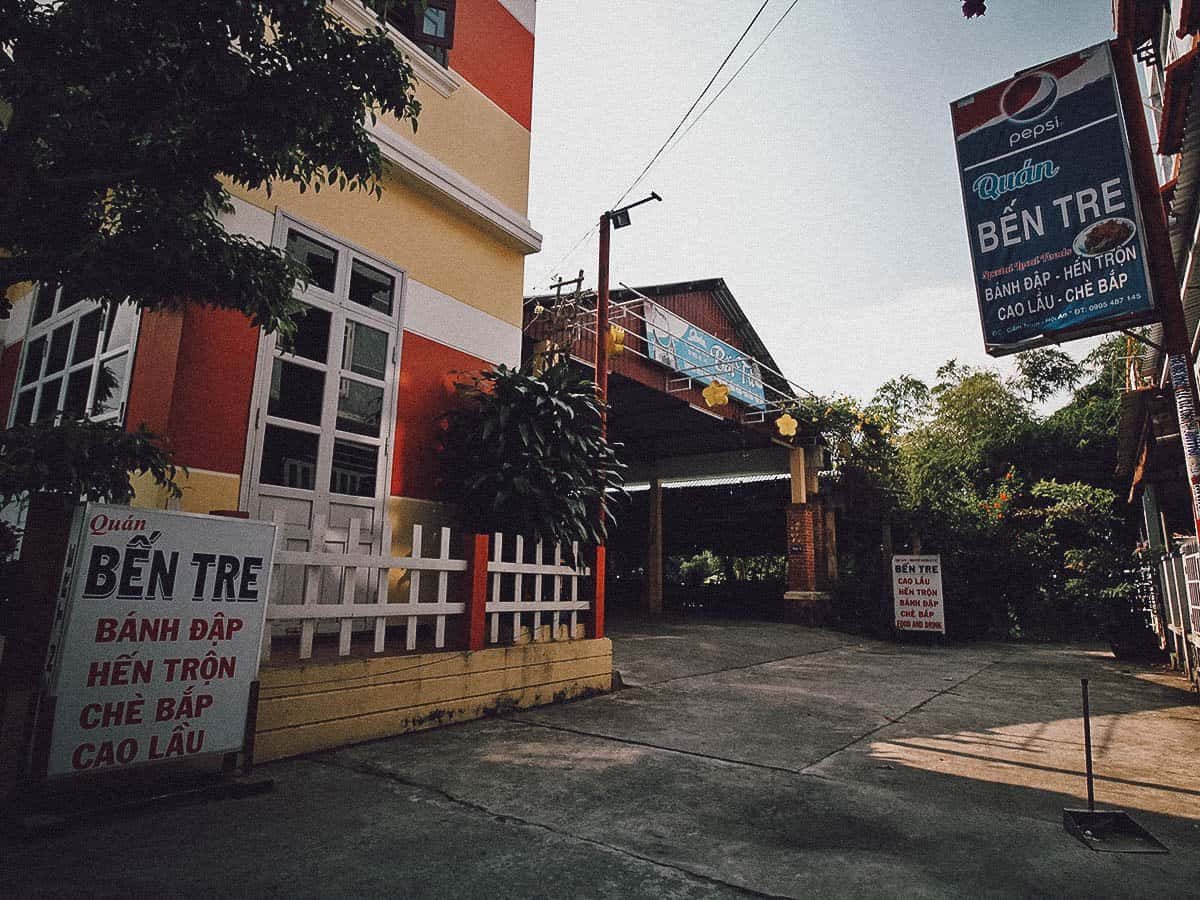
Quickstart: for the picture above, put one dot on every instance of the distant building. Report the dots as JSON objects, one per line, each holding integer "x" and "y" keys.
{"x": 704, "y": 474}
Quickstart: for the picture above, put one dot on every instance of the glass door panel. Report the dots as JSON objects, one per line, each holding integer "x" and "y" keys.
{"x": 327, "y": 403}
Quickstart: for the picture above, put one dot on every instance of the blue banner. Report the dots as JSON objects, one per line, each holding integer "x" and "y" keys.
{"x": 678, "y": 344}
{"x": 1055, "y": 229}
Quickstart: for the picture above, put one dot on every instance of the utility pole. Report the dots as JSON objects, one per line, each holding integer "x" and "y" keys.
{"x": 615, "y": 218}
{"x": 602, "y": 322}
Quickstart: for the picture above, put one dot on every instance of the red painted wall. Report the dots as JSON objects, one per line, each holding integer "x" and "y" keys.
{"x": 192, "y": 383}
{"x": 494, "y": 52}
{"x": 9, "y": 360}
{"x": 211, "y": 408}
{"x": 426, "y": 392}
{"x": 155, "y": 365}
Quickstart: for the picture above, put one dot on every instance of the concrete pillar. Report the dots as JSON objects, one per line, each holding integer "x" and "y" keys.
{"x": 799, "y": 476}
{"x": 1152, "y": 519}
{"x": 654, "y": 549}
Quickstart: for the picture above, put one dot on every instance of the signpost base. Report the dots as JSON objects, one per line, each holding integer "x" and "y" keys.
{"x": 38, "y": 808}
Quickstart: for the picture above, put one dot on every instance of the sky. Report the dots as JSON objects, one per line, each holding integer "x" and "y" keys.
{"x": 821, "y": 185}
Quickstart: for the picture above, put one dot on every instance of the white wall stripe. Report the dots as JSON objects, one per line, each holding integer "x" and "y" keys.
{"x": 14, "y": 327}
{"x": 524, "y": 11}
{"x": 441, "y": 318}
{"x": 250, "y": 220}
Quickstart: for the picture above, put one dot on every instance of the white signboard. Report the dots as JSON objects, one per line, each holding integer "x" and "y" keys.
{"x": 162, "y": 617}
{"x": 917, "y": 589}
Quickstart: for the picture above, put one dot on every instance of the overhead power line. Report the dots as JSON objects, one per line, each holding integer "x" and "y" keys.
{"x": 734, "y": 76}
{"x": 667, "y": 144}
{"x": 695, "y": 103}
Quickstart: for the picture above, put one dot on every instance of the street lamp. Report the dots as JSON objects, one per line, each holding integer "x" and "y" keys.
{"x": 614, "y": 218}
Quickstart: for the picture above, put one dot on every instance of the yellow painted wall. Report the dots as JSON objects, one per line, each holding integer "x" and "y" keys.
{"x": 404, "y": 512}
{"x": 203, "y": 492}
{"x": 318, "y": 706}
{"x": 476, "y": 138}
{"x": 437, "y": 246}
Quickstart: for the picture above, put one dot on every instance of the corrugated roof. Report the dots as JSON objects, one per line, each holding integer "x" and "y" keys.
{"x": 725, "y": 301}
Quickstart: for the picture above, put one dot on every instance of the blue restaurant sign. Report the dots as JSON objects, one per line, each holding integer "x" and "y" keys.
{"x": 678, "y": 344}
{"x": 1055, "y": 228}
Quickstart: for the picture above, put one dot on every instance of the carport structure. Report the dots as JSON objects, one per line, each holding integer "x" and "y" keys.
{"x": 702, "y": 474}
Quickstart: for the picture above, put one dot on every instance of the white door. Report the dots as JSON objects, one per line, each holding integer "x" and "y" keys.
{"x": 324, "y": 412}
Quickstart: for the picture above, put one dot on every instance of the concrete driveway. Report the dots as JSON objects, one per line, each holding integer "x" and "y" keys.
{"x": 748, "y": 760}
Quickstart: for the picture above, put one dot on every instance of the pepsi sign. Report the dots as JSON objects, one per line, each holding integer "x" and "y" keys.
{"x": 1055, "y": 226}
{"x": 1029, "y": 97}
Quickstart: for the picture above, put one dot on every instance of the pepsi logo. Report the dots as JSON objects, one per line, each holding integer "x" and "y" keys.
{"x": 1029, "y": 97}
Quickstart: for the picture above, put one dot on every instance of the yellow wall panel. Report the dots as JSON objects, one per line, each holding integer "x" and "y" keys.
{"x": 434, "y": 244}
{"x": 202, "y": 492}
{"x": 476, "y": 138}
{"x": 318, "y": 706}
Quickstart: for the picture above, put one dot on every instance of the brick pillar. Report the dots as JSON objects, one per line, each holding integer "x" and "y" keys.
{"x": 807, "y": 550}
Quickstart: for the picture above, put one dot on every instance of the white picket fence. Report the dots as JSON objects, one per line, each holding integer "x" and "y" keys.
{"x": 510, "y": 583}
{"x": 334, "y": 584}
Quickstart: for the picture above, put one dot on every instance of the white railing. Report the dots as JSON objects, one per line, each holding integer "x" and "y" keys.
{"x": 335, "y": 583}
{"x": 518, "y": 588}
{"x": 1179, "y": 581}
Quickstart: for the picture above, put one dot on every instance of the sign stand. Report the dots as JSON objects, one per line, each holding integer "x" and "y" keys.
{"x": 919, "y": 603}
{"x": 151, "y": 668}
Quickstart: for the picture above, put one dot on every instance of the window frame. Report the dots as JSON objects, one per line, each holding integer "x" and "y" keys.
{"x": 405, "y": 18}
{"x": 72, "y": 316}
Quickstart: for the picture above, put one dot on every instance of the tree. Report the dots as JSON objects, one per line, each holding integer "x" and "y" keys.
{"x": 1020, "y": 505}
{"x": 900, "y": 402}
{"x": 121, "y": 124}
{"x": 1043, "y": 373}
{"x": 125, "y": 119}
{"x": 527, "y": 454}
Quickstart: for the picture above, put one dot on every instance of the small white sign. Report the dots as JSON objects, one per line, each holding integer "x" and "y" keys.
{"x": 917, "y": 589}
{"x": 162, "y": 617}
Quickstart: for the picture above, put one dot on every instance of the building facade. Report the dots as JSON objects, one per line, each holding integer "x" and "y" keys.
{"x": 705, "y": 471}
{"x": 406, "y": 290}
{"x": 1163, "y": 38}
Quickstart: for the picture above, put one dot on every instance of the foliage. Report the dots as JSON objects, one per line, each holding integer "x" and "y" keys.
{"x": 127, "y": 118}
{"x": 81, "y": 459}
{"x": 1021, "y": 506}
{"x": 527, "y": 454}
{"x": 900, "y": 403}
{"x": 703, "y": 568}
{"x": 1045, "y": 372}
{"x": 122, "y": 124}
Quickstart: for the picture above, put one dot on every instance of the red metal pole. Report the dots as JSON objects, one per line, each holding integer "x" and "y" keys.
{"x": 602, "y": 322}
{"x": 477, "y": 576}
{"x": 598, "y": 573}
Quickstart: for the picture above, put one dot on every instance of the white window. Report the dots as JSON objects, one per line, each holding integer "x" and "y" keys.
{"x": 76, "y": 360}
{"x": 324, "y": 413}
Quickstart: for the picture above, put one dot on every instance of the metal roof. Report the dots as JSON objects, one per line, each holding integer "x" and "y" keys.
{"x": 726, "y": 302}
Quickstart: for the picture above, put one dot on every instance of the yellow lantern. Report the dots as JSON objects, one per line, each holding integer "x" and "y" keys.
{"x": 616, "y": 340}
{"x": 787, "y": 425}
{"x": 716, "y": 394}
